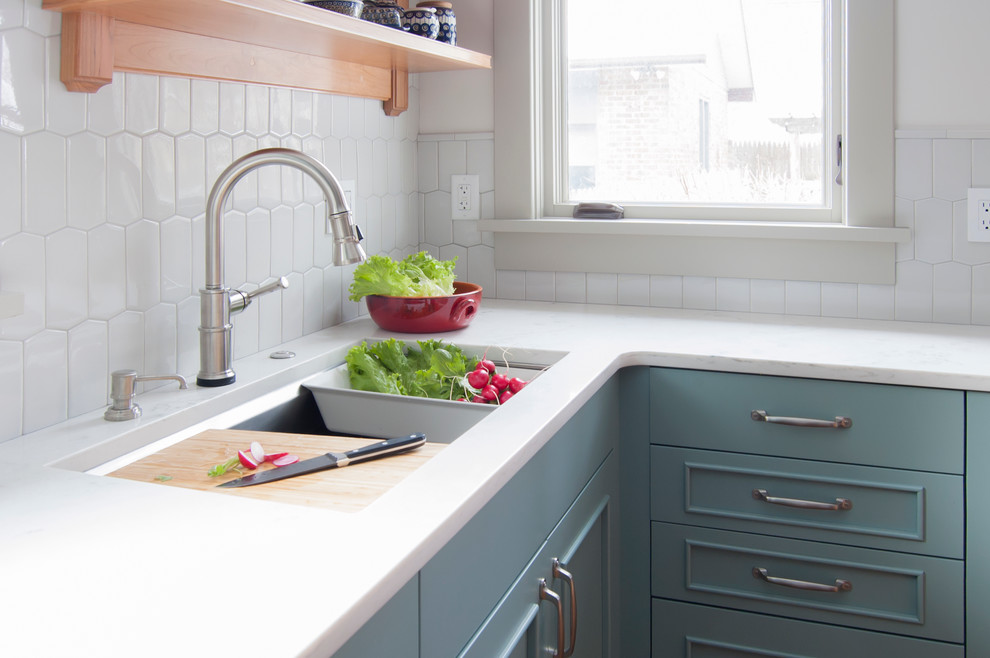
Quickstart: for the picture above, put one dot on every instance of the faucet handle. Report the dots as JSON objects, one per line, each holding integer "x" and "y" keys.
{"x": 122, "y": 383}
{"x": 239, "y": 299}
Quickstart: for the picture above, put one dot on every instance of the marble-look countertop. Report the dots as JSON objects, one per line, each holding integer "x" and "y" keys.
{"x": 97, "y": 566}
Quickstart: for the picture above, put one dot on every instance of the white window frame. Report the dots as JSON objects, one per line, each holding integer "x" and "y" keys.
{"x": 555, "y": 145}
{"x": 858, "y": 249}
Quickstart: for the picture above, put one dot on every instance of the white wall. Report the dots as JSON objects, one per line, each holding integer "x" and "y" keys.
{"x": 942, "y": 64}
{"x": 101, "y": 217}
{"x": 943, "y": 147}
{"x": 462, "y": 102}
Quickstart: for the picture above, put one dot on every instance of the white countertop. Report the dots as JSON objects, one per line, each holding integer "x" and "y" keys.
{"x": 96, "y": 566}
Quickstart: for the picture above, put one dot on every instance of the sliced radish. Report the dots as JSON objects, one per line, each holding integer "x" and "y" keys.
{"x": 247, "y": 459}
{"x": 285, "y": 460}
{"x": 257, "y": 452}
{"x": 275, "y": 455}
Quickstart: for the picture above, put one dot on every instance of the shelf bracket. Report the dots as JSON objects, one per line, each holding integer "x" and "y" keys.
{"x": 398, "y": 102}
{"x": 87, "y": 51}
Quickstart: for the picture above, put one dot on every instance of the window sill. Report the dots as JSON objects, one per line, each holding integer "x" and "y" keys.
{"x": 796, "y": 252}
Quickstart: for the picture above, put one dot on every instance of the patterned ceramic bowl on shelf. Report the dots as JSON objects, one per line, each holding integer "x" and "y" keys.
{"x": 383, "y": 12}
{"x": 446, "y": 18}
{"x": 346, "y": 7}
{"x": 421, "y": 21}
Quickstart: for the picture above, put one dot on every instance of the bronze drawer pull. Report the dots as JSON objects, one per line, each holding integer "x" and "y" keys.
{"x": 840, "y": 422}
{"x": 563, "y": 574}
{"x": 839, "y": 504}
{"x": 547, "y": 594}
{"x": 839, "y": 586}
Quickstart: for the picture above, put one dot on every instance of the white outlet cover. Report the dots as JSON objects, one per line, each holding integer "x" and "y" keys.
{"x": 978, "y": 214}
{"x": 468, "y": 205}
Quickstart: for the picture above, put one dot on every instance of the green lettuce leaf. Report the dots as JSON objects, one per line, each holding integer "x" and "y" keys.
{"x": 368, "y": 374}
{"x": 435, "y": 370}
{"x": 379, "y": 275}
{"x": 416, "y": 275}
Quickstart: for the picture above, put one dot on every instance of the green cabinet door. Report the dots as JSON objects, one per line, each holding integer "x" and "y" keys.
{"x": 561, "y": 602}
{"x": 392, "y": 632}
{"x": 977, "y": 523}
{"x": 464, "y": 582}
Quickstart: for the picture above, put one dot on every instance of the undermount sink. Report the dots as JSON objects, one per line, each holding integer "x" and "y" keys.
{"x": 325, "y": 404}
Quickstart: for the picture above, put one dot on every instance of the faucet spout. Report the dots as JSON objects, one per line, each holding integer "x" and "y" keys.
{"x": 215, "y": 298}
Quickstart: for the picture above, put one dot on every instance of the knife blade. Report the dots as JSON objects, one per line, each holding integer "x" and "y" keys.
{"x": 331, "y": 460}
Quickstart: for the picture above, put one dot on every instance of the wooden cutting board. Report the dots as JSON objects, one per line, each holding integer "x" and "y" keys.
{"x": 347, "y": 489}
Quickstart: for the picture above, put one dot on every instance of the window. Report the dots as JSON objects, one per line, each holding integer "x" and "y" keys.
{"x": 698, "y": 108}
{"x": 549, "y": 150}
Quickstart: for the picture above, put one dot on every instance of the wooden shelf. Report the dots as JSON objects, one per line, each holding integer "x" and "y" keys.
{"x": 271, "y": 42}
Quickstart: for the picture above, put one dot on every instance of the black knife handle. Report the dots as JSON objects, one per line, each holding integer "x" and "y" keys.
{"x": 383, "y": 448}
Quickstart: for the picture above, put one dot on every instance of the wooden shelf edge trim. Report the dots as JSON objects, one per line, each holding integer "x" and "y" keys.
{"x": 287, "y": 25}
{"x": 146, "y": 49}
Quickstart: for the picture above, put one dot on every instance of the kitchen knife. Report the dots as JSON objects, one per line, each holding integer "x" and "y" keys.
{"x": 331, "y": 460}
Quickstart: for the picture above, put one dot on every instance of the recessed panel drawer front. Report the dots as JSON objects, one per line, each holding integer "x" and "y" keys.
{"x": 878, "y": 590}
{"x": 893, "y": 426}
{"x": 696, "y": 631}
{"x": 910, "y": 511}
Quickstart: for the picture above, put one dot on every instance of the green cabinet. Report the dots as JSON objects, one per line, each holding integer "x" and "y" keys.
{"x": 680, "y": 523}
{"x": 561, "y": 602}
{"x": 806, "y": 506}
{"x": 480, "y": 577}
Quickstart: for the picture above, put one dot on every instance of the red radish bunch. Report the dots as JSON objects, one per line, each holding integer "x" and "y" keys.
{"x": 492, "y": 386}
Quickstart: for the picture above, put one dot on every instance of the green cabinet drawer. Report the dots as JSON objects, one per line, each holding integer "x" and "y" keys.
{"x": 876, "y": 590}
{"x": 894, "y": 426}
{"x": 696, "y": 631}
{"x": 910, "y": 511}
{"x": 463, "y": 582}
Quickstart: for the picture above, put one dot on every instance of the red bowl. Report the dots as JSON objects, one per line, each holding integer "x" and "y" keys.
{"x": 424, "y": 315}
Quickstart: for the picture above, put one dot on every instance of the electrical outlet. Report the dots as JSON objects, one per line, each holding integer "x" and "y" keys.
{"x": 978, "y": 217}
{"x": 465, "y": 197}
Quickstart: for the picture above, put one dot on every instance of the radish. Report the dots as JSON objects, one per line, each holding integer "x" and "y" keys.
{"x": 487, "y": 364}
{"x": 489, "y": 392}
{"x": 478, "y": 399}
{"x": 478, "y": 378}
{"x": 257, "y": 452}
{"x": 275, "y": 455}
{"x": 504, "y": 397}
{"x": 285, "y": 460}
{"x": 247, "y": 459}
{"x": 516, "y": 384}
{"x": 500, "y": 381}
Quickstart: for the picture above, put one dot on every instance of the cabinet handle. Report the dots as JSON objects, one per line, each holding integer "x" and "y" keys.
{"x": 547, "y": 594}
{"x": 563, "y": 574}
{"x": 839, "y": 504}
{"x": 839, "y": 586}
{"x": 840, "y": 422}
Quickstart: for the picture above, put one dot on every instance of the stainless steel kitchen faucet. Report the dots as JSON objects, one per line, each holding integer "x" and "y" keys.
{"x": 217, "y": 302}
